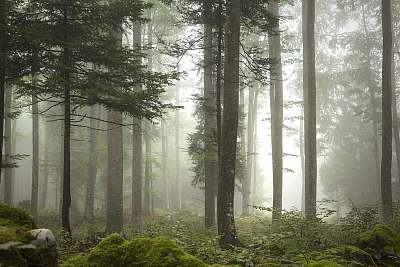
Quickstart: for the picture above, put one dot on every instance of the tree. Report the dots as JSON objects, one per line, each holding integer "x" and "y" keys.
{"x": 226, "y": 186}
{"x": 309, "y": 87}
{"x": 276, "y": 100}
{"x": 386, "y": 162}
{"x": 210, "y": 119}
{"x": 88, "y": 215}
{"x": 8, "y": 182}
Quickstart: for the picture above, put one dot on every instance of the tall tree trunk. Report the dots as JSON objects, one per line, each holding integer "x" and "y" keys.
{"x": 8, "y": 190}
{"x": 226, "y": 188}
{"x": 276, "y": 99}
{"x": 178, "y": 198}
{"x": 115, "y": 174}
{"x": 249, "y": 158}
{"x": 254, "y": 167}
{"x": 302, "y": 162}
{"x": 386, "y": 162}
{"x": 45, "y": 166}
{"x": 147, "y": 171}
{"x": 396, "y": 130}
{"x": 3, "y": 64}
{"x": 66, "y": 184}
{"x": 310, "y": 99}
{"x": 164, "y": 152}
{"x": 210, "y": 120}
{"x": 35, "y": 156}
{"x": 88, "y": 215}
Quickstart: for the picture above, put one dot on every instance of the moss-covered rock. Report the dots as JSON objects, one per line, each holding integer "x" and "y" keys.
{"x": 115, "y": 251}
{"x": 20, "y": 244}
{"x": 382, "y": 243}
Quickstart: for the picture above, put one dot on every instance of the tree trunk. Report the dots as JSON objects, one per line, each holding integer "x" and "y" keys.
{"x": 45, "y": 166}
{"x": 254, "y": 167}
{"x": 396, "y": 130}
{"x": 3, "y": 64}
{"x": 35, "y": 156}
{"x": 302, "y": 162}
{"x": 178, "y": 198}
{"x": 226, "y": 188}
{"x": 210, "y": 120}
{"x": 309, "y": 87}
{"x": 276, "y": 99}
{"x": 8, "y": 190}
{"x": 137, "y": 169}
{"x": 147, "y": 171}
{"x": 249, "y": 158}
{"x": 115, "y": 174}
{"x": 386, "y": 162}
{"x": 164, "y": 148}
{"x": 88, "y": 215}
{"x": 66, "y": 184}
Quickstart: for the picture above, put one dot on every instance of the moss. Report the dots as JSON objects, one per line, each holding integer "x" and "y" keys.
{"x": 15, "y": 216}
{"x": 115, "y": 251}
{"x": 381, "y": 242}
{"x": 324, "y": 263}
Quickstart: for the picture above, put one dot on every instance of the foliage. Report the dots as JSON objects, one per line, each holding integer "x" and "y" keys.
{"x": 115, "y": 251}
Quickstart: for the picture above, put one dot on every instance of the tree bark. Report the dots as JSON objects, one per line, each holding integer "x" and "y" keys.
{"x": 137, "y": 168}
{"x": 88, "y": 215}
{"x": 35, "y": 156}
{"x": 164, "y": 152}
{"x": 66, "y": 184}
{"x": 45, "y": 166}
{"x": 254, "y": 167}
{"x": 396, "y": 130}
{"x": 386, "y": 162}
{"x": 309, "y": 87}
{"x": 276, "y": 100}
{"x": 147, "y": 172}
{"x": 8, "y": 189}
{"x": 3, "y": 64}
{"x": 226, "y": 188}
{"x": 210, "y": 120}
{"x": 249, "y": 159}
{"x": 115, "y": 174}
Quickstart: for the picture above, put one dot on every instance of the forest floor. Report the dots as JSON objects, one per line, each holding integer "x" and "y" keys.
{"x": 295, "y": 242}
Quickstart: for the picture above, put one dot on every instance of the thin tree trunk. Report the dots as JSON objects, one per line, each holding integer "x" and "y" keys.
{"x": 8, "y": 190}
{"x": 164, "y": 148}
{"x": 3, "y": 64}
{"x": 276, "y": 99}
{"x": 137, "y": 169}
{"x": 386, "y": 162}
{"x": 45, "y": 166}
{"x": 35, "y": 156}
{"x": 254, "y": 167}
{"x": 66, "y": 184}
{"x": 210, "y": 120}
{"x": 226, "y": 188}
{"x": 178, "y": 203}
{"x": 396, "y": 130}
{"x": 302, "y": 162}
{"x": 88, "y": 215}
{"x": 147, "y": 172}
{"x": 249, "y": 158}
{"x": 309, "y": 87}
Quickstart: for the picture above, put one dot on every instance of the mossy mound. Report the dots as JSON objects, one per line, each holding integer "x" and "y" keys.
{"x": 382, "y": 243}
{"x": 340, "y": 256}
{"x": 115, "y": 251}
{"x": 17, "y": 246}
{"x": 15, "y": 224}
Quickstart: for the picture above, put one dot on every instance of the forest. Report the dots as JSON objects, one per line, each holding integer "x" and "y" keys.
{"x": 199, "y": 133}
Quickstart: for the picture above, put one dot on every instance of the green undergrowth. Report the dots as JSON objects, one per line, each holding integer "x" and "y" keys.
{"x": 15, "y": 224}
{"x": 116, "y": 251}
